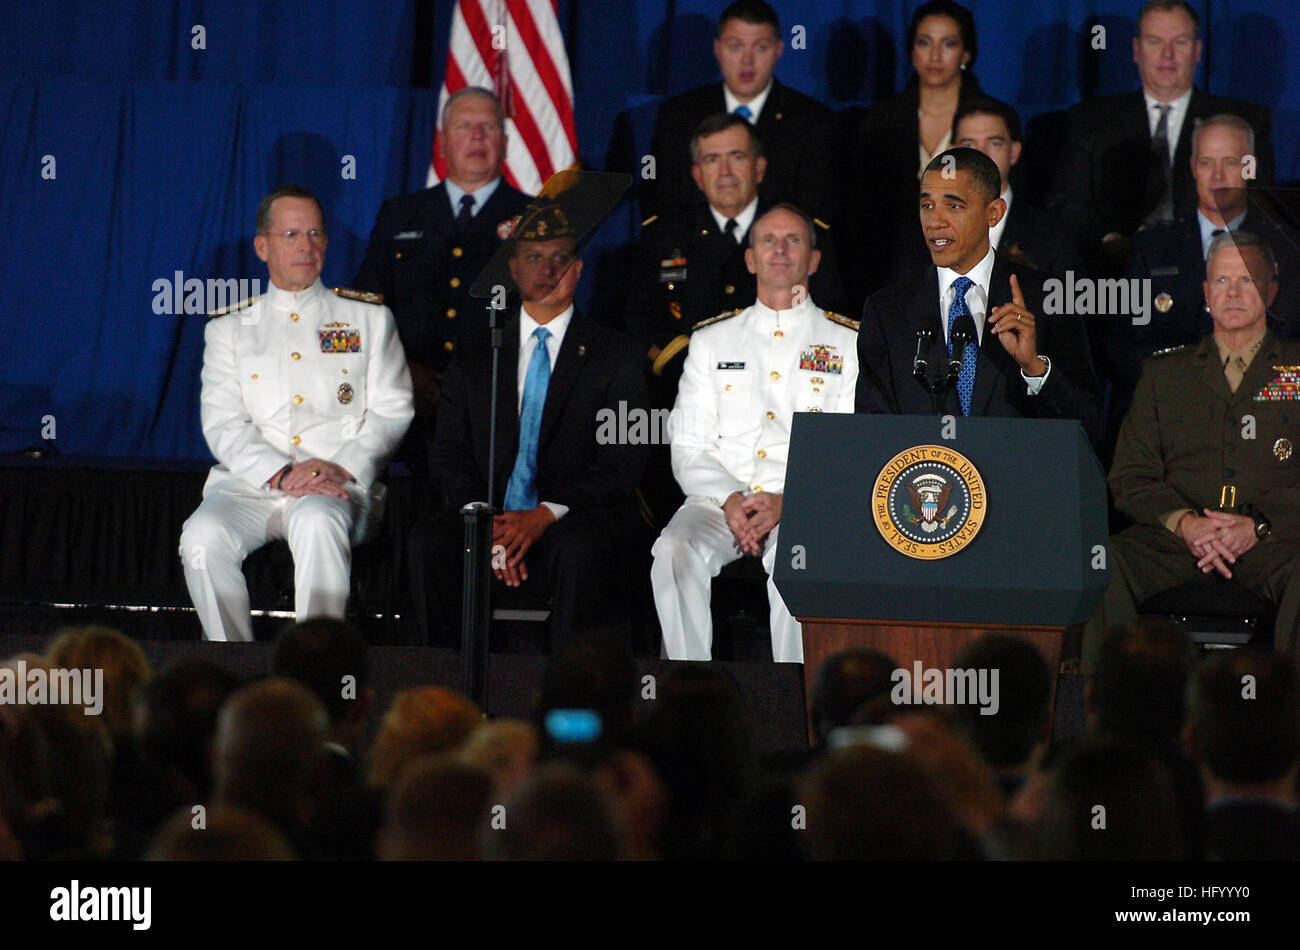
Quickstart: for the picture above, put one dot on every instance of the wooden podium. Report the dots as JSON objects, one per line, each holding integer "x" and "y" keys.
{"x": 858, "y": 569}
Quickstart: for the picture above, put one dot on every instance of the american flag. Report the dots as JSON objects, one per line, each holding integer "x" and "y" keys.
{"x": 515, "y": 48}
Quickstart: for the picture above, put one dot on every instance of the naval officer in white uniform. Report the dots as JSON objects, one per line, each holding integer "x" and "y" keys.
{"x": 306, "y": 393}
{"x": 747, "y": 372}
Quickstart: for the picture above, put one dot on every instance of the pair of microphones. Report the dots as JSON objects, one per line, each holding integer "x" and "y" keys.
{"x": 942, "y": 383}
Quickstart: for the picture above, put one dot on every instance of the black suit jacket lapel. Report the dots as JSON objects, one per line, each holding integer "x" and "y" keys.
{"x": 568, "y": 366}
{"x": 992, "y": 367}
{"x": 507, "y": 403}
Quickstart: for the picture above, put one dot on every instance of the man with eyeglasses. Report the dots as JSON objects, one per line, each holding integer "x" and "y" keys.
{"x": 306, "y": 394}
{"x": 426, "y": 248}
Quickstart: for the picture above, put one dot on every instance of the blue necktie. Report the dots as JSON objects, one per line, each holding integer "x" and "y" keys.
{"x": 521, "y": 492}
{"x": 744, "y": 112}
{"x": 966, "y": 381}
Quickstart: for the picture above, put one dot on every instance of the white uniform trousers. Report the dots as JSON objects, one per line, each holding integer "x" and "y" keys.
{"x": 693, "y": 548}
{"x": 228, "y": 526}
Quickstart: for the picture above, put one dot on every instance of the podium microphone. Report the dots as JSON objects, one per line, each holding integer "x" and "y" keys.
{"x": 963, "y": 334}
{"x": 920, "y": 369}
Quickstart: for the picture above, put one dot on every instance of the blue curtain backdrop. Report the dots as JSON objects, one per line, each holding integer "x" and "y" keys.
{"x": 128, "y": 155}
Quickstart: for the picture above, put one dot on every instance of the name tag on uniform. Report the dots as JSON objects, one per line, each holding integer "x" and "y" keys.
{"x": 408, "y": 236}
{"x": 820, "y": 358}
{"x": 340, "y": 338}
{"x": 740, "y": 365}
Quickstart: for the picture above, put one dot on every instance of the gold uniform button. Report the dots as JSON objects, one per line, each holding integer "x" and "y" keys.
{"x": 295, "y": 355}
{"x": 398, "y": 255}
{"x": 297, "y": 400}
{"x": 296, "y": 440}
{"x": 343, "y": 371}
{"x": 778, "y": 333}
{"x": 762, "y": 453}
{"x": 771, "y": 415}
{"x": 455, "y": 281}
{"x": 775, "y": 374}
{"x": 449, "y": 346}
{"x": 758, "y": 488}
{"x": 456, "y": 252}
{"x": 254, "y": 376}
{"x": 293, "y": 317}
{"x": 451, "y": 313}
{"x": 671, "y": 286}
{"x": 730, "y": 288}
{"x": 726, "y": 387}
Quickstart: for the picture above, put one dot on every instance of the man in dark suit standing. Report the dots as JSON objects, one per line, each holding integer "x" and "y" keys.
{"x": 565, "y": 478}
{"x": 1126, "y": 158}
{"x": 797, "y": 130}
{"x": 1026, "y": 362}
{"x": 427, "y": 247}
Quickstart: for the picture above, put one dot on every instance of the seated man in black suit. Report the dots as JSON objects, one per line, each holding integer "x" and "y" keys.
{"x": 565, "y": 484}
{"x": 427, "y": 247}
{"x": 1027, "y": 234}
{"x": 1126, "y": 157}
{"x": 1028, "y": 363}
{"x": 797, "y": 129}
{"x": 1243, "y": 730}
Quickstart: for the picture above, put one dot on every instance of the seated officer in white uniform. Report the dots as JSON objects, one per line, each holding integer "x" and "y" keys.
{"x": 306, "y": 394}
{"x": 747, "y": 372}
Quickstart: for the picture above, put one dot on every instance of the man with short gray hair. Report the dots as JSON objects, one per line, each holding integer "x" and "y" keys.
{"x": 1206, "y": 462}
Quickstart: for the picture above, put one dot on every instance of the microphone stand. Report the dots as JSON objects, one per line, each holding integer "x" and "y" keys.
{"x": 476, "y": 601}
{"x": 921, "y": 371}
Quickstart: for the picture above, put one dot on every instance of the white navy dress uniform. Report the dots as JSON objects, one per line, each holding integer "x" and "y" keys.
{"x": 746, "y": 373}
{"x": 288, "y": 377}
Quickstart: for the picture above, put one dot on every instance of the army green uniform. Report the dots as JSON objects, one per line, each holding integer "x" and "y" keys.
{"x": 1186, "y": 436}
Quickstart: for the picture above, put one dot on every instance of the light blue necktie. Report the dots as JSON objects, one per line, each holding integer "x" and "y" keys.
{"x": 521, "y": 492}
{"x": 966, "y": 381}
{"x": 744, "y": 112}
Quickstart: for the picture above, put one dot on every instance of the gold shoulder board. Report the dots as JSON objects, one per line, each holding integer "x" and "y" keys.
{"x": 222, "y": 311}
{"x": 843, "y": 321}
{"x": 1167, "y": 350}
{"x": 361, "y": 295}
{"x": 718, "y": 319}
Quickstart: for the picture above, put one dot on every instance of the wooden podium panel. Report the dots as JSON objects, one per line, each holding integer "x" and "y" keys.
{"x": 937, "y": 646}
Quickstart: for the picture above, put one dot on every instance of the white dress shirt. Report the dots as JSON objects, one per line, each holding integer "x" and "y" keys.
{"x": 1208, "y": 228}
{"x": 754, "y": 105}
{"x": 743, "y": 220}
{"x": 527, "y": 345}
{"x": 1177, "y": 114}
{"x": 977, "y": 300}
{"x": 480, "y": 195}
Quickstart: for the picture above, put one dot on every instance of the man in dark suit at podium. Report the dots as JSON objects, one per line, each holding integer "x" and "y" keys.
{"x": 426, "y": 249}
{"x": 564, "y": 480}
{"x": 1126, "y": 157}
{"x": 1019, "y": 361}
{"x": 796, "y": 129}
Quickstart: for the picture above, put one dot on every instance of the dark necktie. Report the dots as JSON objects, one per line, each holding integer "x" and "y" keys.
{"x": 466, "y": 215}
{"x": 1160, "y": 165}
{"x": 730, "y": 228}
{"x": 958, "y": 308}
{"x": 521, "y": 491}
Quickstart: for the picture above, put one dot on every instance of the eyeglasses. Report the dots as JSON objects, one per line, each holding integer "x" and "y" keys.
{"x": 315, "y": 235}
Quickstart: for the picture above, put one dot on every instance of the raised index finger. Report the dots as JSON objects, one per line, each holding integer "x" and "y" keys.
{"x": 1016, "y": 296}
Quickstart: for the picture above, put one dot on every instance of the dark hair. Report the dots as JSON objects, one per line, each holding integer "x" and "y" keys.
{"x": 750, "y": 11}
{"x": 1139, "y": 681}
{"x": 844, "y": 683}
{"x": 1152, "y": 6}
{"x": 1007, "y": 738}
{"x": 318, "y": 653}
{"x": 720, "y": 122}
{"x": 987, "y": 105}
{"x": 983, "y": 170}
{"x": 263, "y": 219}
{"x": 954, "y": 11}
{"x": 1246, "y": 737}
{"x": 180, "y": 706}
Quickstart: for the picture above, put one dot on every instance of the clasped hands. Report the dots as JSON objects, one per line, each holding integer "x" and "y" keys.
{"x": 1217, "y": 539}
{"x": 513, "y": 534}
{"x": 751, "y": 518}
{"x": 313, "y": 477}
